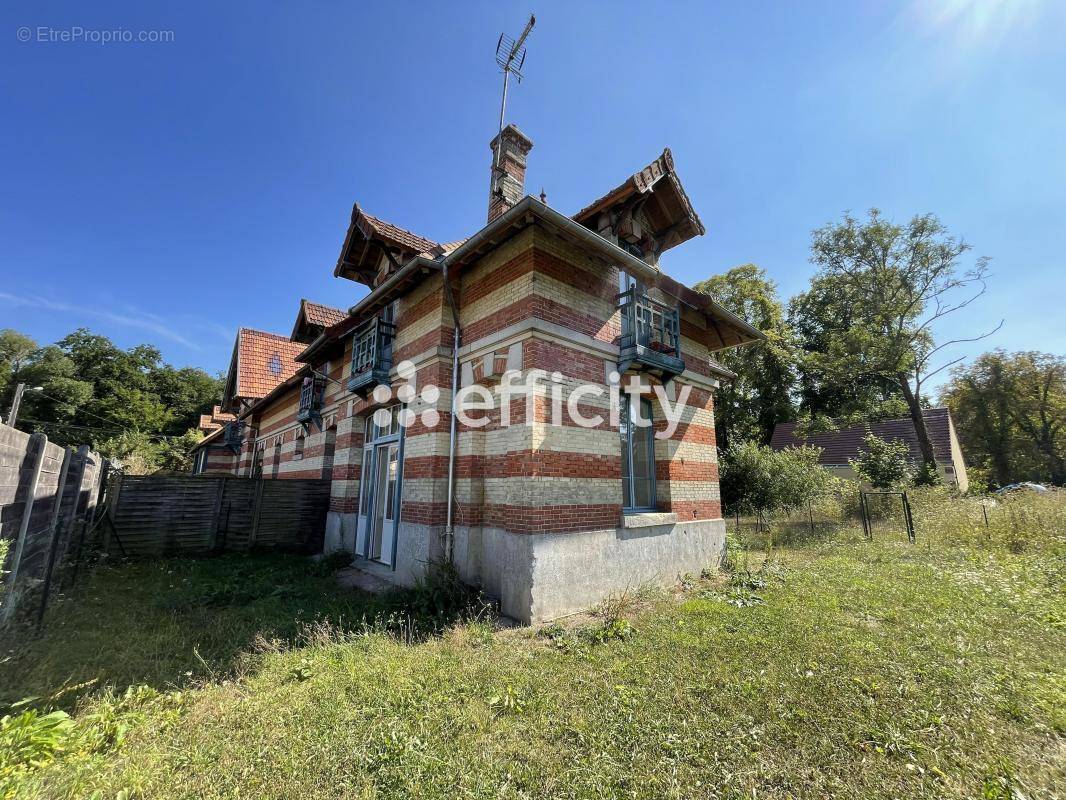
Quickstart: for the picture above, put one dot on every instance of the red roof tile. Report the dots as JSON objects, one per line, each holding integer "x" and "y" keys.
{"x": 318, "y": 314}
{"x": 263, "y": 361}
{"x": 371, "y": 225}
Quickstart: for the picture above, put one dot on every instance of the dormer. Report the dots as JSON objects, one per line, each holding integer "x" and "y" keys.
{"x": 646, "y": 214}
{"x": 374, "y": 249}
{"x": 312, "y": 320}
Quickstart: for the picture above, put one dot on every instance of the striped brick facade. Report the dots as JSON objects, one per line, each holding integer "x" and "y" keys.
{"x": 538, "y": 503}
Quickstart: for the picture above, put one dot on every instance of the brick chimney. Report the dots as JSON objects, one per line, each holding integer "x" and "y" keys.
{"x": 507, "y": 184}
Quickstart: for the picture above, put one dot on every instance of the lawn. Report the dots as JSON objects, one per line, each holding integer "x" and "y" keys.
{"x": 839, "y": 669}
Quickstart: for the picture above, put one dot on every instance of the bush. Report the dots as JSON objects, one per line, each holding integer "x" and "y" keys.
{"x": 759, "y": 480}
{"x": 882, "y": 464}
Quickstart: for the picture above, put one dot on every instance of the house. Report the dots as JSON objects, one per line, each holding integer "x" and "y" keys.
{"x": 585, "y": 463}
{"x": 260, "y": 362}
{"x": 843, "y": 445}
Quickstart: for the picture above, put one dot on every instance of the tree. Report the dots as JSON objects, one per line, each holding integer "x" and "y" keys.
{"x": 880, "y": 288}
{"x": 128, "y": 403}
{"x": 749, "y": 406}
{"x": 757, "y": 479}
{"x": 828, "y": 395}
{"x": 1010, "y": 411}
{"x": 883, "y": 464}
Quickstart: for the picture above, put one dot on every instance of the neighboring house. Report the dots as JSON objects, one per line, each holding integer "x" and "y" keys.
{"x": 844, "y": 445}
{"x": 547, "y": 517}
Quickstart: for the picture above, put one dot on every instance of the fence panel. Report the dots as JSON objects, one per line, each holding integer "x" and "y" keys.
{"x": 42, "y": 508}
{"x": 161, "y": 516}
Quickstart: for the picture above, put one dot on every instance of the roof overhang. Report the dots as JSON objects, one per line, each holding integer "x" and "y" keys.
{"x": 367, "y": 239}
{"x": 657, "y": 190}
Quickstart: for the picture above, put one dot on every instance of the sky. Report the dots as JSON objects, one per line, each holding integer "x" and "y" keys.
{"x": 169, "y": 191}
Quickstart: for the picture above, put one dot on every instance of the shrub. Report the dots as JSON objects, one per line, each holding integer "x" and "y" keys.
{"x": 759, "y": 480}
{"x": 882, "y": 464}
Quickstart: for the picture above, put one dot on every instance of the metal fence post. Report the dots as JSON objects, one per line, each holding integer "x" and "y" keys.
{"x": 24, "y": 524}
{"x": 908, "y": 518}
{"x": 54, "y": 527}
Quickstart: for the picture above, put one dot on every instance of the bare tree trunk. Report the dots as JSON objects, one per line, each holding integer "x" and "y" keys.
{"x": 925, "y": 444}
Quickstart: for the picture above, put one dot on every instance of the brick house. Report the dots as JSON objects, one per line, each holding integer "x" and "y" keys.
{"x": 540, "y": 496}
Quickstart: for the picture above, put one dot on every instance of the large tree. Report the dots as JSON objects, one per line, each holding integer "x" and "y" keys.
{"x": 1010, "y": 411}
{"x": 747, "y": 408}
{"x": 94, "y": 391}
{"x": 884, "y": 287}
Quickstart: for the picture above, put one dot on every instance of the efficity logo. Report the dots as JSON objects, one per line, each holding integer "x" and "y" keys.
{"x": 585, "y": 405}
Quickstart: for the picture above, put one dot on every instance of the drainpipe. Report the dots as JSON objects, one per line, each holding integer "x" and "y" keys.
{"x": 449, "y": 527}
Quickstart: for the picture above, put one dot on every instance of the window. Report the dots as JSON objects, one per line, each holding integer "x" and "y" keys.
{"x": 298, "y": 453}
{"x": 638, "y": 456}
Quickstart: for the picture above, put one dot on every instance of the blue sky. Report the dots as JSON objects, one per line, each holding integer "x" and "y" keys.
{"x": 170, "y": 192}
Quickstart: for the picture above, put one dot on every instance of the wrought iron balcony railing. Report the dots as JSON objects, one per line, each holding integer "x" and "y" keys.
{"x": 311, "y": 393}
{"x": 233, "y": 435}
{"x": 371, "y": 356}
{"x": 651, "y": 335}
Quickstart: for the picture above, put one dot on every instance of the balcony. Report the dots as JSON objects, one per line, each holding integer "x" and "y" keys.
{"x": 233, "y": 435}
{"x": 371, "y": 356}
{"x": 651, "y": 337}
{"x": 311, "y": 393}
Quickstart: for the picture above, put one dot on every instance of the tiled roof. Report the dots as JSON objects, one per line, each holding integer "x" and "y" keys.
{"x": 216, "y": 419}
{"x": 447, "y": 247}
{"x": 318, "y": 314}
{"x": 839, "y": 447}
{"x": 386, "y": 230}
{"x": 263, "y": 361}
{"x": 658, "y": 174}
{"x": 220, "y": 415}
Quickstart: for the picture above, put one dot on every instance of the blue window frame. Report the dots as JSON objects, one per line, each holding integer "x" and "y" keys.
{"x": 638, "y": 456}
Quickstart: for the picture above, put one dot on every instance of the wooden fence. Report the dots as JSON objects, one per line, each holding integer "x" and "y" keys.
{"x": 196, "y": 514}
{"x": 48, "y": 495}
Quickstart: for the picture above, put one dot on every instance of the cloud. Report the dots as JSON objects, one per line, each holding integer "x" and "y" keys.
{"x": 129, "y": 317}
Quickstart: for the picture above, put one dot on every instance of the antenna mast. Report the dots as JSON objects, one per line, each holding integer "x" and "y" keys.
{"x": 510, "y": 56}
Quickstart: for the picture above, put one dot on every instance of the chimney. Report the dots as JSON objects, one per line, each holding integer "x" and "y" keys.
{"x": 507, "y": 184}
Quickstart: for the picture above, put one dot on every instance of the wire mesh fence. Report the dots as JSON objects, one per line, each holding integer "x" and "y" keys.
{"x": 931, "y": 518}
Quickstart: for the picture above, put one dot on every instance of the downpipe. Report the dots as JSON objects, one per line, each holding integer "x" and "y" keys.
{"x": 448, "y": 538}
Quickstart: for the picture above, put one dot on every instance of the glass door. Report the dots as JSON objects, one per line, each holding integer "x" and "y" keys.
{"x": 386, "y": 473}
{"x": 379, "y": 487}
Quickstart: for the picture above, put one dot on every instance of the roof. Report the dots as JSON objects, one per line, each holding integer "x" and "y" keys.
{"x": 216, "y": 419}
{"x": 845, "y": 444}
{"x": 312, "y": 319}
{"x": 318, "y": 314}
{"x": 671, "y": 214}
{"x": 263, "y": 361}
{"x": 368, "y": 236}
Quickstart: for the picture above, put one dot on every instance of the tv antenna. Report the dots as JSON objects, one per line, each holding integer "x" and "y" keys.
{"x": 510, "y": 56}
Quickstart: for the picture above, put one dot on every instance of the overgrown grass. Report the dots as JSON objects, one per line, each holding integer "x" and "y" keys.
{"x": 843, "y": 669}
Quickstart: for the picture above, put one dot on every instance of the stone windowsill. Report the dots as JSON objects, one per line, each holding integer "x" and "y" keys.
{"x": 648, "y": 519}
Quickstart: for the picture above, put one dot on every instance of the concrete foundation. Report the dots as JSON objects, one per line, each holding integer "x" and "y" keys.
{"x": 538, "y": 577}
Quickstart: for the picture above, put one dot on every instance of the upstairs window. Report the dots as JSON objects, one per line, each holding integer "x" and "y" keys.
{"x": 638, "y": 456}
